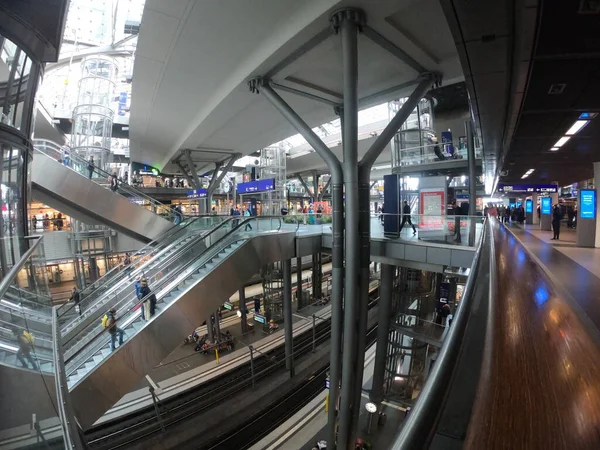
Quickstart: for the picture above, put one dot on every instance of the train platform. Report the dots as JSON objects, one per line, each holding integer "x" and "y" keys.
{"x": 575, "y": 270}
{"x": 309, "y": 425}
{"x": 176, "y": 376}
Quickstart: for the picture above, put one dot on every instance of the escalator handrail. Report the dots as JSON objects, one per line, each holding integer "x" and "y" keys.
{"x": 152, "y": 246}
{"x": 199, "y": 260}
{"x": 159, "y": 267}
{"x": 421, "y": 421}
{"x": 75, "y": 157}
{"x": 12, "y": 274}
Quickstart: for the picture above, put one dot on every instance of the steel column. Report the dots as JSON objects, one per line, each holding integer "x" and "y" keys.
{"x": 383, "y": 330}
{"x": 299, "y": 283}
{"x": 192, "y": 167}
{"x": 287, "y": 315}
{"x": 472, "y": 179}
{"x": 325, "y": 189}
{"x": 217, "y": 327}
{"x": 242, "y": 308}
{"x": 348, "y": 30}
{"x": 364, "y": 224}
{"x": 337, "y": 242}
{"x": 209, "y": 329}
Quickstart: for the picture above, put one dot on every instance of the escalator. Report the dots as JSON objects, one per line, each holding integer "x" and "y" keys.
{"x": 189, "y": 290}
{"x": 69, "y": 190}
{"x": 119, "y": 281}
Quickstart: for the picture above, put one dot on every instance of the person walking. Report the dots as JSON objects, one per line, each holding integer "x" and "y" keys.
{"x": 25, "y": 341}
{"x": 90, "y": 167}
{"x": 556, "y": 215}
{"x": 76, "y": 298}
{"x": 406, "y": 217}
{"x": 247, "y": 214}
{"x": 145, "y": 294}
{"x": 111, "y": 325}
{"x": 456, "y": 210}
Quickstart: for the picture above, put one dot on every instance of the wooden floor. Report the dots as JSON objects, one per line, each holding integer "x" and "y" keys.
{"x": 540, "y": 384}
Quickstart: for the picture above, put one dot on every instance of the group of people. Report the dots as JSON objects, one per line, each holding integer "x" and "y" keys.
{"x": 56, "y": 222}
{"x": 235, "y": 212}
{"x": 515, "y": 214}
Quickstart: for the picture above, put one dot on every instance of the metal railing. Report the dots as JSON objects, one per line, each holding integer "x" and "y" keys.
{"x": 127, "y": 308}
{"x": 99, "y": 176}
{"x": 426, "y": 154}
{"x": 423, "y": 416}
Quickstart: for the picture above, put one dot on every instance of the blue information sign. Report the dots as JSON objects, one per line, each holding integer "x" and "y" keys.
{"x": 528, "y": 188}
{"x": 587, "y": 203}
{"x": 196, "y": 193}
{"x": 256, "y": 186}
{"x": 529, "y": 206}
{"x": 546, "y": 205}
{"x": 260, "y": 318}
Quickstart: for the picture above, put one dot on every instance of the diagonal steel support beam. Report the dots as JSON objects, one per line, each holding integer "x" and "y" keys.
{"x": 379, "y": 97}
{"x": 186, "y": 175}
{"x": 310, "y": 193}
{"x": 390, "y": 130}
{"x": 393, "y": 49}
{"x": 300, "y": 51}
{"x": 291, "y": 90}
{"x": 224, "y": 171}
{"x": 213, "y": 178}
{"x": 188, "y": 158}
{"x": 326, "y": 186}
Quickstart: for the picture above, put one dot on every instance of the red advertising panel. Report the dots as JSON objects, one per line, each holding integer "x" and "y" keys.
{"x": 432, "y": 203}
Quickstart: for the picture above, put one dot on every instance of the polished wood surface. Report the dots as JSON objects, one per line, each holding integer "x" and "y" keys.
{"x": 540, "y": 383}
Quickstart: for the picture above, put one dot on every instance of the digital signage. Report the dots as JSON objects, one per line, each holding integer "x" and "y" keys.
{"x": 587, "y": 203}
{"x": 551, "y": 188}
{"x": 529, "y": 206}
{"x": 252, "y": 187}
{"x": 546, "y": 205}
{"x": 196, "y": 193}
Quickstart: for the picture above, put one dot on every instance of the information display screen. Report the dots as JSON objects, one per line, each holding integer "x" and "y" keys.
{"x": 529, "y": 206}
{"x": 546, "y": 205}
{"x": 587, "y": 203}
{"x": 256, "y": 186}
{"x": 527, "y": 188}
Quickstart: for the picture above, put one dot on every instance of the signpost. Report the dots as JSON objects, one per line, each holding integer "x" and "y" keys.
{"x": 256, "y": 186}
{"x": 196, "y": 193}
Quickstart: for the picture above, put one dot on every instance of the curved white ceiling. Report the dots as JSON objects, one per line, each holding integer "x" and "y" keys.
{"x": 194, "y": 57}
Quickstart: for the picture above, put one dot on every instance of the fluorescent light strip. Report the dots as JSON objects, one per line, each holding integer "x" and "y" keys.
{"x": 554, "y": 149}
{"x": 576, "y": 127}
{"x": 562, "y": 141}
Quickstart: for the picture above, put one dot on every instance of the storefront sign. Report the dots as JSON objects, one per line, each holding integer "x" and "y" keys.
{"x": 587, "y": 203}
{"x": 228, "y": 306}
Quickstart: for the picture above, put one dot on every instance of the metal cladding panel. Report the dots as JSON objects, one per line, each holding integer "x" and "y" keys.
{"x": 309, "y": 245}
{"x": 119, "y": 373}
{"x": 439, "y": 255}
{"x": 69, "y": 192}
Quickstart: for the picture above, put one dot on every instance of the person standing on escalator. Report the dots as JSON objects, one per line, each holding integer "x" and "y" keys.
{"x": 90, "y": 167}
{"x": 147, "y": 310}
{"x": 113, "y": 181}
{"x": 247, "y": 214}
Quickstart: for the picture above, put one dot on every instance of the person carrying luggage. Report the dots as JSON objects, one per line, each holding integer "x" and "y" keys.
{"x": 109, "y": 322}
{"x": 25, "y": 340}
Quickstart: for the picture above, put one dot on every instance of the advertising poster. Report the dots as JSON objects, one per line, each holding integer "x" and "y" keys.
{"x": 433, "y": 209}
{"x": 529, "y": 206}
{"x": 587, "y": 203}
{"x": 546, "y": 205}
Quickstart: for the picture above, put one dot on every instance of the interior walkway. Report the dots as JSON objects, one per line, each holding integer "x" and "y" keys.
{"x": 572, "y": 268}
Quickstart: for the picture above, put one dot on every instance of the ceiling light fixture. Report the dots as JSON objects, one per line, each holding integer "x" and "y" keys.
{"x": 562, "y": 141}
{"x": 554, "y": 149}
{"x": 526, "y": 174}
{"x": 576, "y": 127}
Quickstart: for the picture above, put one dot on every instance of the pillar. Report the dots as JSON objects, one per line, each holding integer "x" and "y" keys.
{"x": 383, "y": 330}
{"x": 299, "y": 295}
{"x": 287, "y": 315}
{"x": 217, "y": 327}
{"x": 209, "y": 329}
{"x": 317, "y": 276}
{"x": 472, "y": 180}
{"x": 242, "y": 308}
{"x": 535, "y": 219}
